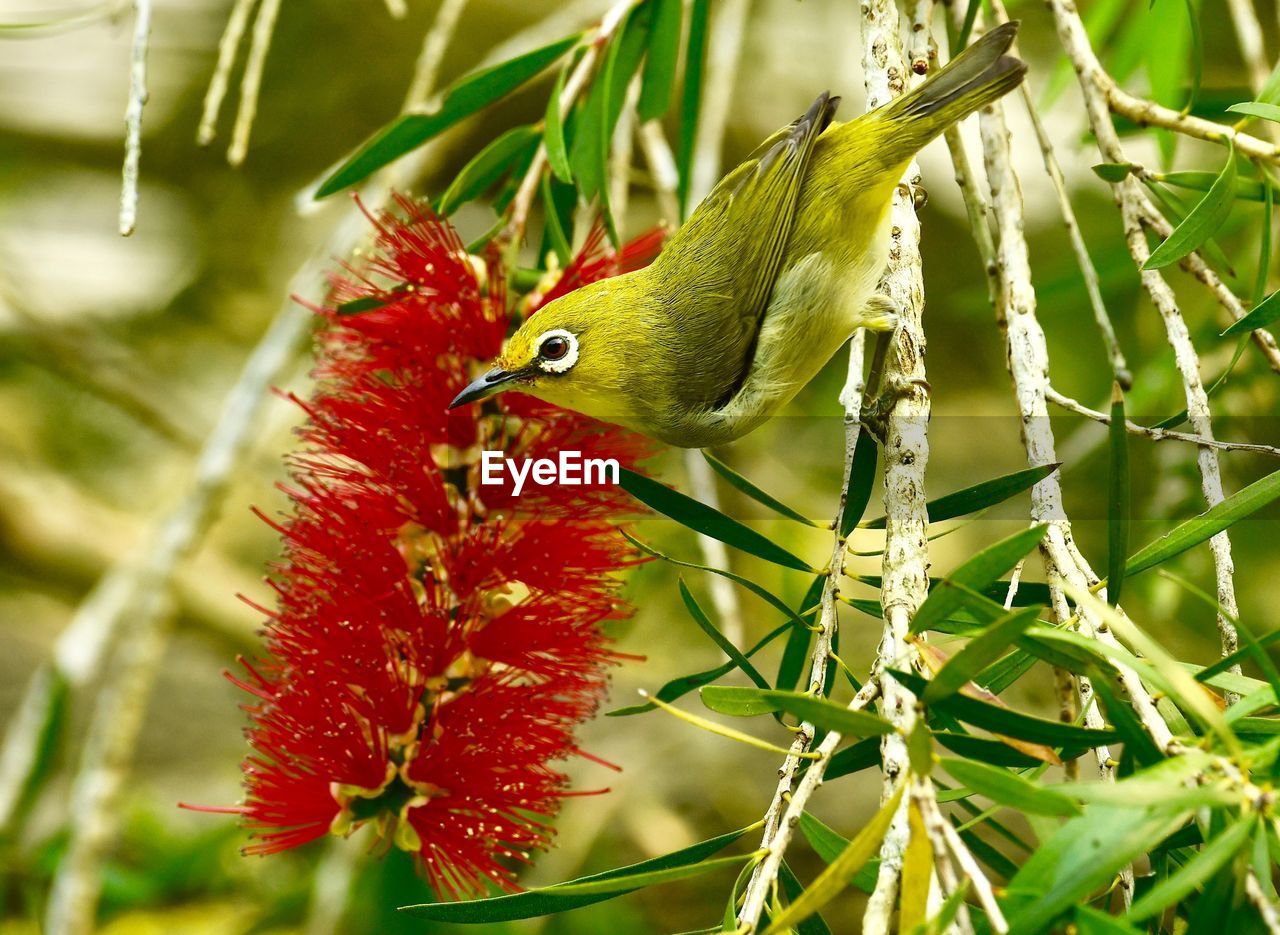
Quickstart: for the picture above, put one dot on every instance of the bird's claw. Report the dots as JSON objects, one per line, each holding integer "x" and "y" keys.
{"x": 876, "y": 409}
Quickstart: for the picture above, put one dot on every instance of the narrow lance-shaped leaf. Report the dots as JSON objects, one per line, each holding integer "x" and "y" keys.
{"x": 1246, "y": 189}
{"x": 1265, "y": 313}
{"x": 738, "y": 482}
{"x": 840, "y": 871}
{"x": 796, "y": 652}
{"x": 1203, "y": 221}
{"x": 917, "y": 872}
{"x": 726, "y": 645}
{"x": 768, "y": 597}
{"x": 679, "y": 687}
{"x": 545, "y": 901}
{"x": 704, "y": 519}
{"x": 1257, "y": 109}
{"x": 979, "y": 653}
{"x": 1005, "y": 721}
{"x": 553, "y": 131}
{"x": 660, "y": 60}
{"x": 862, "y": 477}
{"x": 977, "y": 573}
{"x": 1010, "y": 789}
{"x": 1083, "y": 856}
{"x": 748, "y": 702}
{"x": 1195, "y": 872}
{"x": 469, "y": 95}
{"x": 979, "y": 496}
{"x": 695, "y": 55}
{"x": 1264, "y": 243}
{"x": 829, "y": 844}
{"x": 490, "y": 164}
{"x": 1117, "y": 497}
{"x": 1207, "y": 525}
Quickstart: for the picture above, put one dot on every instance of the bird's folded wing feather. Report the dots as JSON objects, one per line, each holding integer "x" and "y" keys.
{"x": 743, "y": 226}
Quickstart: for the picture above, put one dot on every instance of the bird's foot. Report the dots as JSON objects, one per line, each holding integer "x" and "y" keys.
{"x": 876, "y": 409}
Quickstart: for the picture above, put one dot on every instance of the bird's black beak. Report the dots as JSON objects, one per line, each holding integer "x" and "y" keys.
{"x": 485, "y": 385}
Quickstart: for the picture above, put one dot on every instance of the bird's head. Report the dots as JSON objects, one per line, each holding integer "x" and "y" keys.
{"x": 573, "y": 352}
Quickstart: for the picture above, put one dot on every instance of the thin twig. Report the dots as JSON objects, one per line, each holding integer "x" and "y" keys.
{"x": 784, "y": 822}
{"x": 133, "y": 116}
{"x": 925, "y": 799}
{"x": 1265, "y": 905}
{"x": 1155, "y": 434}
{"x": 1099, "y": 91}
{"x": 228, "y": 46}
{"x": 426, "y": 71}
{"x": 777, "y": 828}
{"x": 264, "y": 26}
{"x": 397, "y": 8}
{"x": 521, "y": 204}
{"x": 662, "y": 169}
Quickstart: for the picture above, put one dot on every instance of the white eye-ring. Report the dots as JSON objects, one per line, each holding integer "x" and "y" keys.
{"x": 557, "y": 351}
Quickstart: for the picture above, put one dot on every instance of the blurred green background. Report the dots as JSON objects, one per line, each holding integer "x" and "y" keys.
{"x": 115, "y": 355}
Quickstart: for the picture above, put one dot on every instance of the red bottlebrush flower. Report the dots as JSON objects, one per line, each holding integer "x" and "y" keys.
{"x": 436, "y": 641}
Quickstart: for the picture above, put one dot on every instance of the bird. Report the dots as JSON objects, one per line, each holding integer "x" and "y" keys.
{"x": 770, "y": 275}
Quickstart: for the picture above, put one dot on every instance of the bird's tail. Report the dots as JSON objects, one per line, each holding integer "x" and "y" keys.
{"x": 980, "y": 74}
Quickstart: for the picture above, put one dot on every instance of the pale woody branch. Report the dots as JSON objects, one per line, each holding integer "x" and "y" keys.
{"x": 1155, "y": 434}
{"x": 133, "y": 116}
{"x": 1100, "y": 93}
{"x": 905, "y": 582}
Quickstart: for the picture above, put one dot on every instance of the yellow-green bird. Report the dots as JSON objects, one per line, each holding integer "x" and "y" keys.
{"x": 771, "y": 274}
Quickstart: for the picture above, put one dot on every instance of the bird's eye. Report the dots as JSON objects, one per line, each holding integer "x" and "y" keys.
{"x": 557, "y": 351}
{"x": 554, "y": 348}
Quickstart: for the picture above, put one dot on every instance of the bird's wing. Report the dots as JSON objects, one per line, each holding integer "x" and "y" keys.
{"x": 744, "y": 224}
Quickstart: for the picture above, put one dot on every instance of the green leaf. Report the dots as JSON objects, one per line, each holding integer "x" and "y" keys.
{"x": 839, "y": 872}
{"x": 1083, "y": 856}
{"x": 796, "y": 653}
{"x": 1006, "y": 721}
{"x": 1246, "y": 189}
{"x": 1113, "y": 171}
{"x": 862, "y": 755}
{"x": 1264, "y": 252}
{"x": 749, "y": 702}
{"x": 1265, "y": 313}
{"x": 946, "y": 914}
{"x": 1207, "y": 525}
{"x": 980, "y": 496}
{"x": 1090, "y": 921}
{"x": 1195, "y": 872}
{"x": 1257, "y": 109}
{"x": 726, "y": 645}
{"x": 557, "y": 204}
{"x": 977, "y": 573}
{"x": 551, "y": 899}
{"x": 791, "y": 885}
{"x": 704, "y": 519}
{"x": 679, "y": 687}
{"x": 660, "y": 60}
{"x": 463, "y": 99}
{"x": 1203, "y": 221}
{"x": 1010, "y": 789}
{"x": 629, "y": 884}
{"x": 979, "y": 653}
{"x": 1117, "y": 496}
{"x": 490, "y": 164}
{"x": 695, "y": 56}
{"x": 553, "y": 131}
{"x": 740, "y": 483}
{"x": 747, "y": 583}
{"x": 862, "y": 477}
{"x": 987, "y": 751}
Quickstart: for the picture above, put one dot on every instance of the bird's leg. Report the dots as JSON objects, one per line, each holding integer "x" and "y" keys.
{"x": 884, "y": 395}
